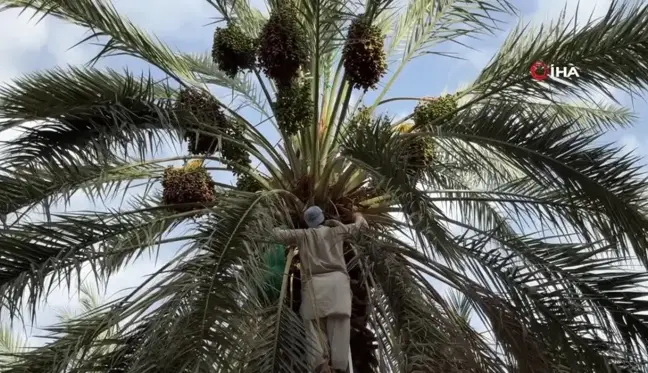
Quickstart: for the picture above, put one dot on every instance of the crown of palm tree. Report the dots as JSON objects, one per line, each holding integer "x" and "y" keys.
{"x": 501, "y": 192}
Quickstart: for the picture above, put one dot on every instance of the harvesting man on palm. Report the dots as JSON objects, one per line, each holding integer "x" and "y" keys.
{"x": 501, "y": 192}
{"x": 326, "y": 289}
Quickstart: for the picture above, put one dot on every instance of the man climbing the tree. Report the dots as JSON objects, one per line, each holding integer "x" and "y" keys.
{"x": 326, "y": 292}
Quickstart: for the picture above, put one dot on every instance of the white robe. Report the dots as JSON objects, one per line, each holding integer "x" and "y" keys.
{"x": 323, "y": 268}
{"x": 332, "y": 296}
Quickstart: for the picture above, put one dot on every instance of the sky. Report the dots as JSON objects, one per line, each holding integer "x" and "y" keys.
{"x": 27, "y": 46}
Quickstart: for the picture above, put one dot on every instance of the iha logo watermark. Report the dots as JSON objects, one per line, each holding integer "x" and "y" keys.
{"x": 541, "y": 71}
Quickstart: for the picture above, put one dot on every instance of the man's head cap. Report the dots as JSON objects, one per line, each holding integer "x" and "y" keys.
{"x": 314, "y": 216}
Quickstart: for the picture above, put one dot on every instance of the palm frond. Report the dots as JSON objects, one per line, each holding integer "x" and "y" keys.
{"x": 10, "y": 343}
{"x": 608, "y": 52}
{"x": 83, "y": 113}
{"x": 190, "y": 303}
{"x": 275, "y": 340}
{"x": 596, "y": 118}
{"x": 37, "y": 256}
{"x": 90, "y": 297}
{"x": 427, "y": 24}
{"x": 72, "y": 341}
{"x": 460, "y": 305}
{"x": 598, "y": 187}
{"x": 561, "y": 151}
{"x": 574, "y": 310}
{"x": 26, "y": 188}
{"x": 441, "y": 342}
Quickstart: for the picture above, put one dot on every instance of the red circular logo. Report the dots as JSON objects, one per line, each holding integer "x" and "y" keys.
{"x": 539, "y": 70}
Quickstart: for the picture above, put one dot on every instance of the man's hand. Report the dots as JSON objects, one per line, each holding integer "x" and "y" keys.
{"x": 358, "y": 218}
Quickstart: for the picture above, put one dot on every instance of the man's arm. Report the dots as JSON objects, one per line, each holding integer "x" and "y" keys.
{"x": 287, "y": 236}
{"x": 359, "y": 222}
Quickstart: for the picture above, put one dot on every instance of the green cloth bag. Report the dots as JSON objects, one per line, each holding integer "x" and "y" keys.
{"x": 274, "y": 262}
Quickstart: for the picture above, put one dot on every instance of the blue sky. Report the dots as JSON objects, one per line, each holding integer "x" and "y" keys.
{"x": 26, "y": 46}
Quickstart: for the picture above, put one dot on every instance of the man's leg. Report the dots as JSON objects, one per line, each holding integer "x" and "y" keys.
{"x": 338, "y": 328}
{"x": 317, "y": 353}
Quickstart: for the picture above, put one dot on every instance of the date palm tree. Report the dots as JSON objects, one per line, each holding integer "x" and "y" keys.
{"x": 502, "y": 191}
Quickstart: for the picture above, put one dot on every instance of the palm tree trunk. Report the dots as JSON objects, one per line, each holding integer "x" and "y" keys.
{"x": 363, "y": 339}
{"x": 294, "y": 296}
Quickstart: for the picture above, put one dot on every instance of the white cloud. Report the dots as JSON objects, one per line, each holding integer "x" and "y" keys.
{"x": 579, "y": 11}
{"x": 630, "y": 142}
{"x": 21, "y": 33}
{"x": 19, "y": 37}
{"x": 25, "y": 38}
{"x": 635, "y": 144}
{"x": 169, "y": 18}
